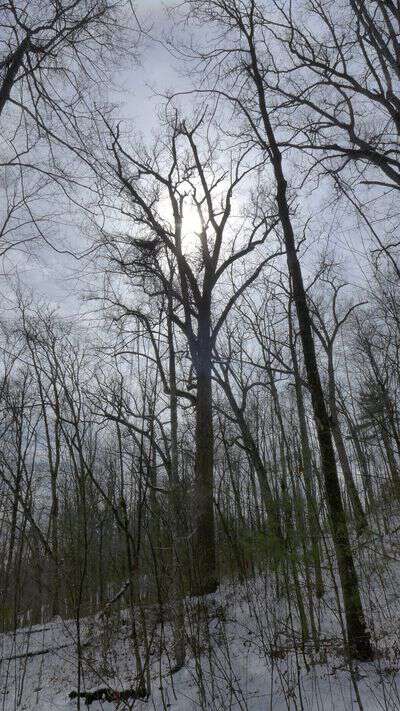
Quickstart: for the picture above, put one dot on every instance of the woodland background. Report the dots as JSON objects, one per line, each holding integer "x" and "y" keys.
{"x": 216, "y": 402}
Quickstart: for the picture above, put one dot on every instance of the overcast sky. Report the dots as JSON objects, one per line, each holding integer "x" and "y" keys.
{"x": 61, "y": 280}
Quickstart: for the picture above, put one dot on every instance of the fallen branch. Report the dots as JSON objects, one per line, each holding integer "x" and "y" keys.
{"x": 37, "y": 653}
{"x": 110, "y": 695}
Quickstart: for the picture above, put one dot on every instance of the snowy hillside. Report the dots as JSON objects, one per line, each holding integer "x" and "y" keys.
{"x": 245, "y": 656}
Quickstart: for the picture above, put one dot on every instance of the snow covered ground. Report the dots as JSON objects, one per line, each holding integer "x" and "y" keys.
{"x": 247, "y": 657}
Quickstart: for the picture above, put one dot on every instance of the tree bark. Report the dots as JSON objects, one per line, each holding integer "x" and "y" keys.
{"x": 205, "y": 575}
{"x": 13, "y": 66}
{"x": 175, "y": 507}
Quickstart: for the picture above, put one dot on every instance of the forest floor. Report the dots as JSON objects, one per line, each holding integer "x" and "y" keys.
{"x": 248, "y": 656}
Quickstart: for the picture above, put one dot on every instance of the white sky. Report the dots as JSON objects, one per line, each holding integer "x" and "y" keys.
{"x": 61, "y": 279}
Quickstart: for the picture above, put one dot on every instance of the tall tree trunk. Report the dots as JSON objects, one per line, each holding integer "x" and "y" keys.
{"x": 55, "y": 603}
{"x": 360, "y": 454}
{"x": 205, "y": 573}
{"x": 306, "y": 460}
{"x": 254, "y": 456}
{"x": 391, "y": 460}
{"x": 358, "y": 637}
{"x": 359, "y": 643}
{"x": 12, "y": 541}
{"x": 175, "y": 508}
{"x": 360, "y": 518}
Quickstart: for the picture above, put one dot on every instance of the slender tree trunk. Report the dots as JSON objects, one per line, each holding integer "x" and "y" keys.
{"x": 360, "y": 518}
{"x": 391, "y": 460}
{"x": 358, "y": 637}
{"x": 175, "y": 508}
{"x": 306, "y": 460}
{"x": 359, "y": 643}
{"x": 385, "y": 430}
{"x": 11, "y": 544}
{"x": 360, "y": 454}
{"x": 55, "y": 603}
{"x": 253, "y": 453}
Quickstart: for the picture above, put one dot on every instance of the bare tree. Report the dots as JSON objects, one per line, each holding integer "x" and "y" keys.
{"x": 243, "y": 55}
{"x": 44, "y": 40}
{"x": 342, "y": 77}
{"x": 163, "y": 189}
{"x": 55, "y": 57}
{"x": 328, "y": 328}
